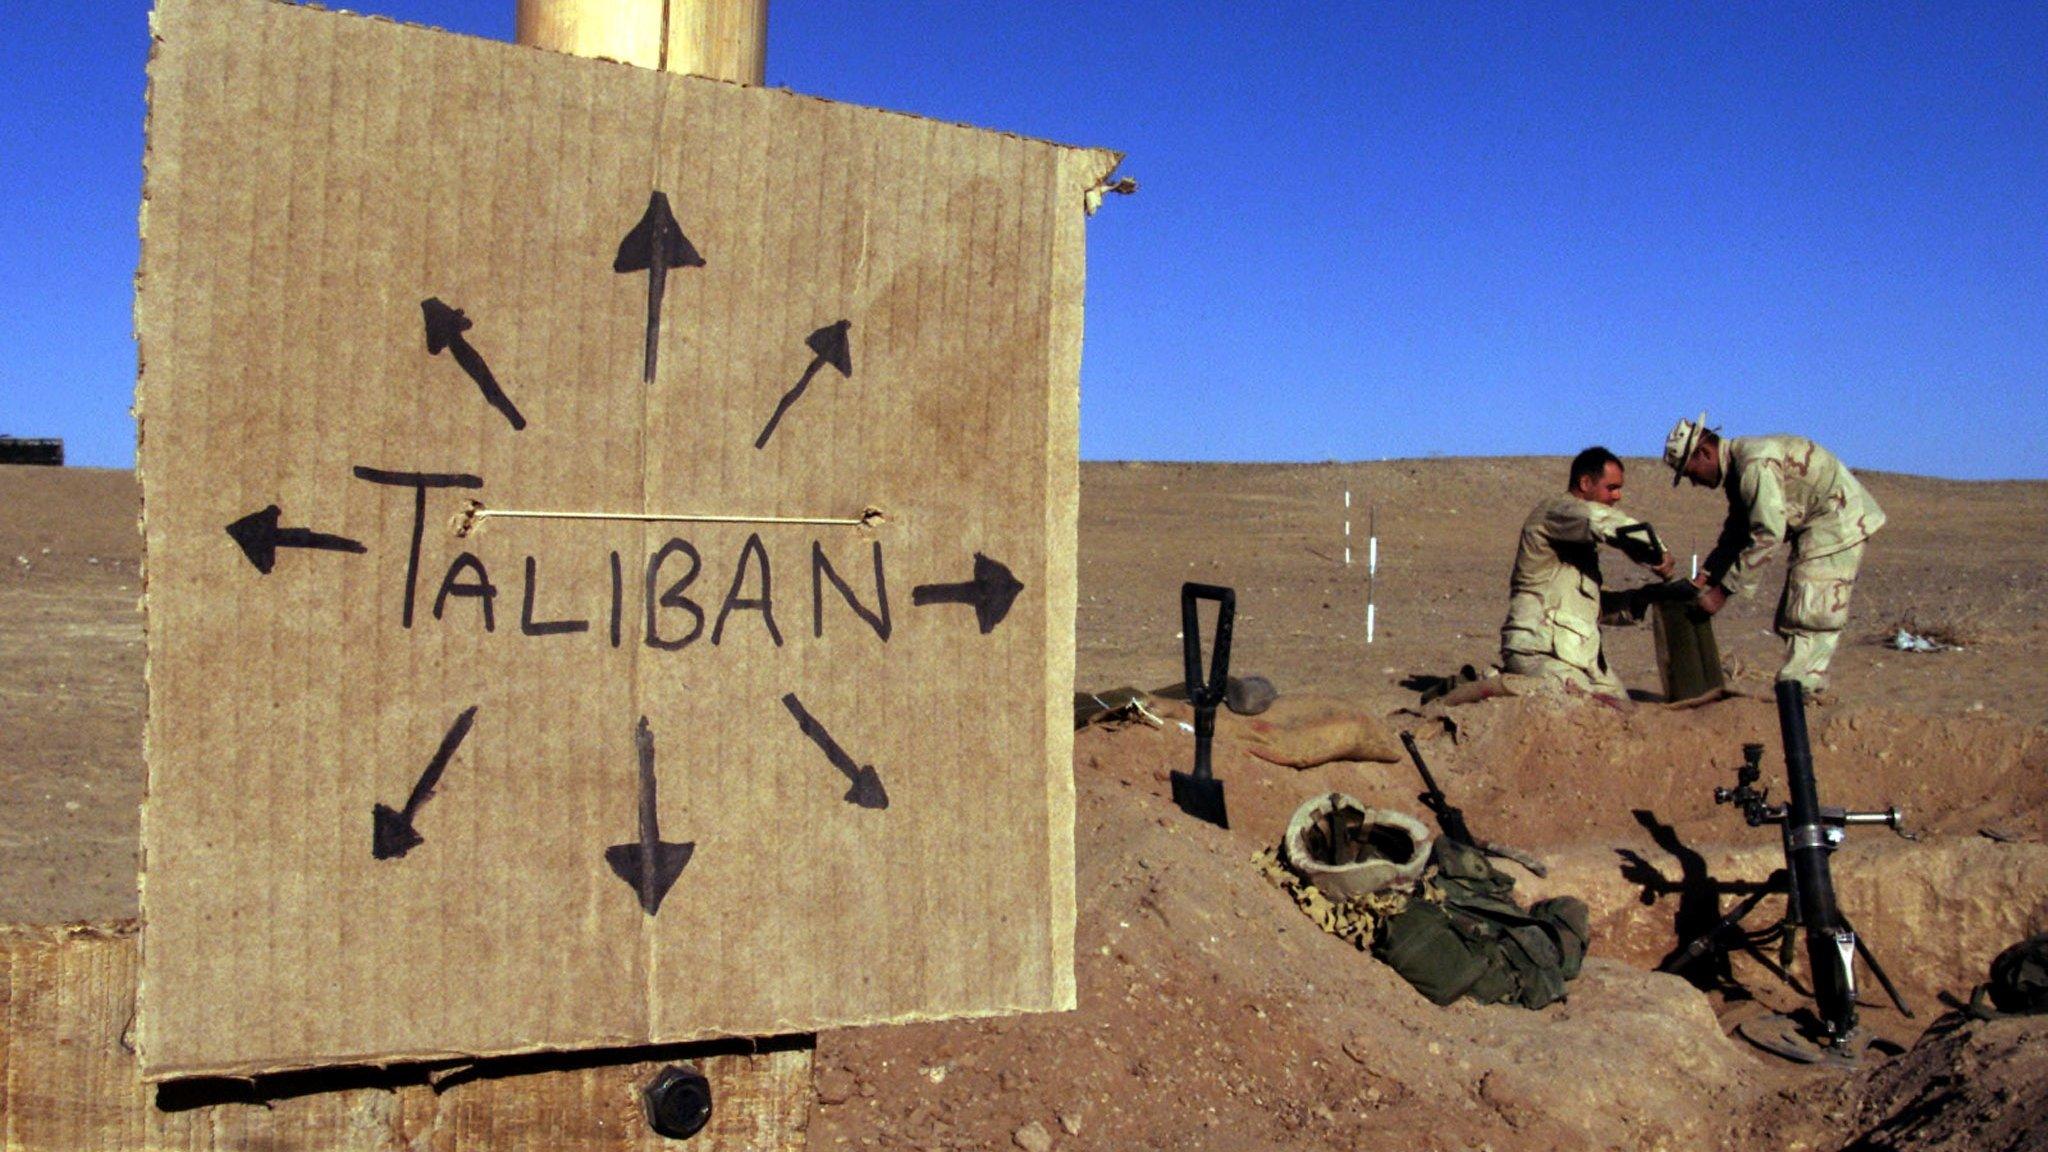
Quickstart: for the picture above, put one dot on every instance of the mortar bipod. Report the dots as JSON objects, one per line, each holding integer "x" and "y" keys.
{"x": 1810, "y": 833}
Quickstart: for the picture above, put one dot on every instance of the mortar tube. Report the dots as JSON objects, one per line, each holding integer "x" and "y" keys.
{"x": 1830, "y": 944}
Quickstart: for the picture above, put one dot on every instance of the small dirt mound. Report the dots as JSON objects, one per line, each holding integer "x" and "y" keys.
{"x": 1966, "y": 1087}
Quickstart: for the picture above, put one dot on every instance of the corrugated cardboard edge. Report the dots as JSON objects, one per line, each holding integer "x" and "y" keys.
{"x": 1081, "y": 174}
{"x": 141, "y": 490}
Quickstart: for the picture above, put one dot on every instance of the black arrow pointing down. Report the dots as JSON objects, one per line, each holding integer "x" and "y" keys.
{"x": 650, "y": 864}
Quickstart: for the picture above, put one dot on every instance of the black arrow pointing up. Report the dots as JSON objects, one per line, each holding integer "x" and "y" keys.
{"x": 992, "y": 591}
{"x": 445, "y": 327}
{"x": 867, "y": 790}
{"x": 260, "y": 538}
{"x": 655, "y": 245}
{"x": 650, "y": 864}
{"x": 392, "y": 834}
{"x": 830, "y": 346}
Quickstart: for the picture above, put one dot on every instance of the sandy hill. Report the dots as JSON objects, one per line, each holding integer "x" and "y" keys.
{"x": 1213, "y": 1014}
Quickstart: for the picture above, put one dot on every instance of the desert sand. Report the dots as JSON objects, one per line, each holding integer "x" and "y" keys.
{"x": 1213, "y": 1014}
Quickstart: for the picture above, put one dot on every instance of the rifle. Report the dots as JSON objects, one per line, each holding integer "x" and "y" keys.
{"x": 1451, "y": 818}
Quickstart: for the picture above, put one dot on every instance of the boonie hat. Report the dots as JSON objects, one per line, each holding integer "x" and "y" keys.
{"x": 1685, "y": 436}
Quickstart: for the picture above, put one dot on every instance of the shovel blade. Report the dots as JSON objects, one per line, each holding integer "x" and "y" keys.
{"x": 1200, "y": 797}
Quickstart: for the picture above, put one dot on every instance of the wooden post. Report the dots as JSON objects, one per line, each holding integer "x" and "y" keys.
{"x": 722, "y": 39}
{"x": 69, "y": 1080}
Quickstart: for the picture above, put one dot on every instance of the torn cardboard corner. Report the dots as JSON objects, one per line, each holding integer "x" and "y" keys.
{"x": 1110, "y": 183}
{"x": 682, "y": 749}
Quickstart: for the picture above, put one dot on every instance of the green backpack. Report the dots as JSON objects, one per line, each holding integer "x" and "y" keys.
{"x": 1478, "y": 942}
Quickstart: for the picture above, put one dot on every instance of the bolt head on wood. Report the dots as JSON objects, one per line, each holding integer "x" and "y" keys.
{"x": 678, "y": 1101}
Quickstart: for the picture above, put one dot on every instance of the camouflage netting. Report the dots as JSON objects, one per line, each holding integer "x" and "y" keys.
{"x": 1352, "y": 920}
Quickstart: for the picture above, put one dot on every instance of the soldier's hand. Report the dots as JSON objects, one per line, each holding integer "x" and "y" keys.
{"x": 1711, "y": 599}
{"x": 1665, "y": 567}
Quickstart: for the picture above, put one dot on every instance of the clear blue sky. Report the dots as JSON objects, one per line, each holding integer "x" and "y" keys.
{"x": 1364, "y": 230}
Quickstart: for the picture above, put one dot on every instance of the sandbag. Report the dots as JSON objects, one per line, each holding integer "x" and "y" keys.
{"x": 1298, "y": 731}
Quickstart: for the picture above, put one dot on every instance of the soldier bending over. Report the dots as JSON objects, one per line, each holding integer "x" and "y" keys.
{"x": 1781, "y": 489}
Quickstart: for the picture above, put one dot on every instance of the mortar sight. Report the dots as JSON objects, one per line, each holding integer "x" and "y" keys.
{"x": 1745, "y": 793}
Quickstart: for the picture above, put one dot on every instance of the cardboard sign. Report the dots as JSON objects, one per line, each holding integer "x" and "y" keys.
{"x": 610, "y": 552}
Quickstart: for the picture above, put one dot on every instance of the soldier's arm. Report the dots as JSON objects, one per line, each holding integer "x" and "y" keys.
{"x": 1569, "y": 522}
{"x": 1733, "y": 539}
{"x": 1624, "y": 533}
{"x": 1764, "y": 530}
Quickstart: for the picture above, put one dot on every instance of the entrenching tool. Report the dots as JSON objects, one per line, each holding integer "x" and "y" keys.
{"x": 1200, "y": 794}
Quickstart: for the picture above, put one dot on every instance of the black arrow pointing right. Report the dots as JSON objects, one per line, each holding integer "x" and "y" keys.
{"x": 392, "y": 834}
{"x": 260, "y": 538}
{"x": 445, "y": 326}
{"x": 992, "y": 591}
{"x": 655, "y": 245}
{"x": 649, "y": 864}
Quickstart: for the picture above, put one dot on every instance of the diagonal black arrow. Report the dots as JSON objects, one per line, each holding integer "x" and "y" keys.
{"x": 867, "y": 790}
{"x": 445, "y": 326}
{"x": 391, "y": 833}
{"x": 650, "y": 864}
{"x": 830, "y": 346}
{"x": 992, "y": 591}
{"x": 260, "y": 538}
{"x": 655, "y": 245}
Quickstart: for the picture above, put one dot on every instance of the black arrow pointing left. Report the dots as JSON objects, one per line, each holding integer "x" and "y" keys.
{"x": 260, "y": 538}
{"x": 391, "y": 833}
{"x": 445, "y": 326}
{"x": 867, "y": 790}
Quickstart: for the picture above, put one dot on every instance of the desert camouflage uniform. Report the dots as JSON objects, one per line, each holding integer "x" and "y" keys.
{"x": 1788, "y": 489}
{"x": 1555, "y": 602}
